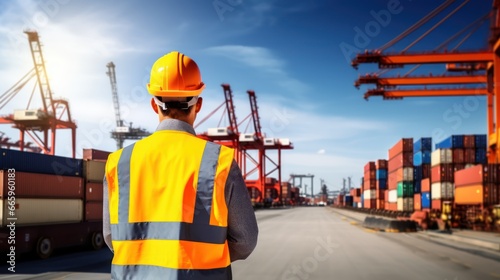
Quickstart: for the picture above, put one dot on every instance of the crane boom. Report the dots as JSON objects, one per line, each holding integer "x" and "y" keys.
{"x": 41, "y": 73}
{"x": 426, "y": 80}
{"x": 228, "y": 95}
{"x": 398, "y": 94}
{"x": 114, "y": 91}
{"x": 255, "y": 113}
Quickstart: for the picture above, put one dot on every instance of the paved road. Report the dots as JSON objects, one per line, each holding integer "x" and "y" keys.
{"x": 317, "y": 243}
{"x": 309, "y": 243}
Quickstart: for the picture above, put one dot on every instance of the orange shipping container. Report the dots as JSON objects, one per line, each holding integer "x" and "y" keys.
{"x": 469, "y": 176}
{"x": 426, "y": 185}
{"x": 403, "y": 145}
{"x": 391, "y": 206}
{"x": 380, "y": 204}
{"x": 477, "y": 194}
{"x": 417, "y": 202}
{"x": 381, "y": 164}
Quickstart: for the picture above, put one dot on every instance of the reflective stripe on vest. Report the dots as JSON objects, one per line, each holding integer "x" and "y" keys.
{"x": 167, "y": 208}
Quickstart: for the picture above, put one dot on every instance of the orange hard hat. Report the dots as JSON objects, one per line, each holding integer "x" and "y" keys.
{"x": 175, "y": 75}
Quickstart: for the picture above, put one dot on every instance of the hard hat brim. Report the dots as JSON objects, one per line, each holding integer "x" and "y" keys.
{"x": 176, "y": 93}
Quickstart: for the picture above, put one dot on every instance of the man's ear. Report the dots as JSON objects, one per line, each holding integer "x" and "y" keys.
{"x": 154, "y": 106}
{"x": 199, "y": 104}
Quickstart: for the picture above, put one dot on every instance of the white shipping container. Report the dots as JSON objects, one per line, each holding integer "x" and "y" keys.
{"x": 360, "y": 205}
{"x": 393, "y": 196}
{"x": 218, "y": 131}
{"x": 25, "y": 115}
{"x": 440, "y": 156}
{"x": 370, "y": 194}
{"x": 442, "y": 190}
{"x": 94, "y": 170}
{"x": 400, "y": 204}
{"x": 408, "y": 204}
{"x": 34, "y": 211}
{"x": 408, "y": 174}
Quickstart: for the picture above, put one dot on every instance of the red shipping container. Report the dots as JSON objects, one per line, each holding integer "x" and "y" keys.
{"x": 391, "y": 206}
{"x": 426, "y": 185}
{"x": 470, "y": 156}
{"x": 392, "y": 182}
{"x": 381, "y": 164}
{"x": 380, "y": 194}
{"x": 380, "y": 204}
{"x": 458, "y": 155}
{"x": 403, "y": 145}
{"x": 404, "y": 159}
{"x": 94, "y": 154}
{"x": 369, "y": 166}
{"x": 417, "y": 202}
{"x": 370, "y": 184}
{"x": 370, "y": 203}
{"x": 470, "y": 176}
{"x": 469, "y": 141}
{"x": 356, "y": 199}
{"x": 426, "y": 171}
{"x": 93, "y": 211}
{"x": 369, "y": 175}
{"x": 442, "y": 173}
{"x": 37, "y": 185}
{"x": 436, "y": 204}
{"x": 93, "y": 191}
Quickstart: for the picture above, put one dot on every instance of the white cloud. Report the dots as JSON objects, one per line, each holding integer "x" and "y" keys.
{"x": 321, "y": 152}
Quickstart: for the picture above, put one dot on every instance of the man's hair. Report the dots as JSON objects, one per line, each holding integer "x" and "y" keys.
{"x": 175, "y": 109}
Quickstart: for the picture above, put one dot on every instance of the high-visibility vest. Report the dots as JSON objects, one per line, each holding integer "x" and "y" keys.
{"x": 167, "y": 207}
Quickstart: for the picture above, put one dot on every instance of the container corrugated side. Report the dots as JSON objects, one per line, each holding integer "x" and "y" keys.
{"x": 454, "y": 141}
{"x": 403, "y": 145}
{"x": 480, "y": 141}
{"x": 487, "y": 194}
{"x": 93, "y": 191}
{"x": 32, "y": 211}
{"x": 381, "y": 174}
{"x": 94, "y": 170}
{"x": 426, "y": 185}
{"x": 469, "y": 141}
{"x": 458, "y": 155}
{"x": 40, "y": 163}
{"x": 442, "y": 173}
{"x": 422, "y": 157}
{"x": 393, "y": 196}
{"x": 417, "y": 202}
{"x": 470, "y": 176}
{"x": 408, "y": 204}
{"x": 442, "y": 190}
{"x": 37, "y": 185}
{"x": 404, "y": 159}
{"x": 422, "y": 144}
{"x": 94, "y": 154}
{"x": 400, "y": 204}
{"x": 426, "y": 200}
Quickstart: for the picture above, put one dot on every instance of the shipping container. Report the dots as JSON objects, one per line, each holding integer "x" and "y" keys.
{"x": 408, "y": 204}
{"x": 454, "y": 141}
{"x": 370, "y": 203}
{"x": 442, "y": 173}
{"x": 458, "y": 155}
{"x": 426, "y": 171}
{"x": 442, "y": 190}
{"x": 403, "y": 145}
{"x": 405, "y": 189}
{"x": 422, "y": 144}
{"x": 487, "y": 194}
{"x": 93, "y": 154}
{"x": 40, "y": 163}
{"x": 392, "y": 181}
{"x": 480, "y": 156}
{"x": 417, "y": 202}
{"x": 481, "y": 141}
{"x": 422, "y": 157}
{"x": 380, "y": 204}
{"x": 370, "y": 184}
{"x": 474, "y": 175}
{"x": 93, "y": 211}
{"x": 469, "y": 141}
{"x": 470, "y": 156}
{"x": 369, "y": 194}
{"x": 403, "y": 174}
{"x": 426, "y": 200}
{"x": 381, "y": 174}
{"x": 392, "y": 196}
{"x": 348, "y": 200}
{"x": 381, "y": 164}
{"x": 94, "y": 170}
{"x": 417, "y": 186}
{"x": 437, "y": 204}
{"x": 369, "y": 166}
{"x": 93, "y": 191}
{"x": 37, "y": 185}
{"x": 426, "y": 185}
{"x": 37, "y": 211}
{"x": 391, "y": 206}
{"x": 380, "y": 194}
{"x": 381, "y": 184}
{"x": 441, "y": 156}
{"x": 401, "y": 160}
{"x": 417, "y": 173}
{"x": 400, "y": 204}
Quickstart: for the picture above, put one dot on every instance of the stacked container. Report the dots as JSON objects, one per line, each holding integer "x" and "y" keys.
{"x": 370, "y": 186}
{"x": 400, "y": 176}
{"x": 381, "y": 185}
{"x": 477, "y": 185}
{"x": 442, "y": 188}
{"x": 356, "y": 194}
{"x": 94, "y": 164}
{"x": 422, "y": 149}
{"x": 50, "y": 183}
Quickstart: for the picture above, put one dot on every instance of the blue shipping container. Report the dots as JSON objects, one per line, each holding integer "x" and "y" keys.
{"x": 480, "y": 140}
{"x": 454, "y": 141}
{"x": 40, "y": 163}
{"x": 417, "y": 173}
{"x": 480, "y": 156}
{"x": 417, "y": 186}
{"x": 381, "y": 174}
{"x": 382, "y": 184}
{"x": 348, "y": 200}
{"x": 422, "y": 144}
{"x": 422, "y": 157}
{"x": 426, "y": 200}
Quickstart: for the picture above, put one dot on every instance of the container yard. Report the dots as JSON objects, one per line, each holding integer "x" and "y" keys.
{"x": 405, "y": 186}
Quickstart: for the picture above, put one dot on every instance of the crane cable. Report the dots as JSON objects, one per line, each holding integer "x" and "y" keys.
{"x": 417, "y": 24}
{"x": 435, "y": 26}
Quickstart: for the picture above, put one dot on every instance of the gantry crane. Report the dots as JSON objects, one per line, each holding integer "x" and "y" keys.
{"x": 54, "y": 114}
{"x": 122, "y": 132}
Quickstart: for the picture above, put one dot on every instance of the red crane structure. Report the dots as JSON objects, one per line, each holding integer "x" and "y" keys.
{"x": 479, "y": 78}
{"x": 54, "y": 114}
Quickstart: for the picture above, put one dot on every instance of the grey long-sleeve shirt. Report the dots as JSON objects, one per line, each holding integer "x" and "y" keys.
{"x": 242, "y": 230}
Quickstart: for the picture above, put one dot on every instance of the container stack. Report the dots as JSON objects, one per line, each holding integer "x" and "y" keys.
{"x": 400, "y": 176}
{"x": 356, "y": 194}
{"x": 422, "y": 149}
{"x": 477, "y": 188}
{"x": 381, "y": 185}
{"x": 442, "y": 170}
{"x": 370, "y": 186}
{"x": 48, "y": 189}
{"x": 94, "y": 163}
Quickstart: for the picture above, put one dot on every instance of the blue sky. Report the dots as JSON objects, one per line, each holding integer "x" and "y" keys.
{"x": 289, "y": 52}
